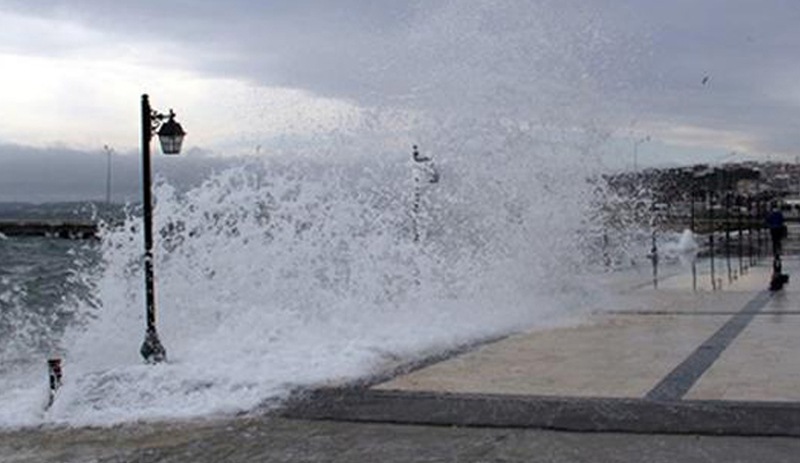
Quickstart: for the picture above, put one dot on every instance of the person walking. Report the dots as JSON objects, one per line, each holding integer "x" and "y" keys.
{"x": 777, "y": 229}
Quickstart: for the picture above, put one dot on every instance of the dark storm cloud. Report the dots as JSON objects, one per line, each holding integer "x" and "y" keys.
{"x": 313, "y": 44}
{"x": 367, "y": 51}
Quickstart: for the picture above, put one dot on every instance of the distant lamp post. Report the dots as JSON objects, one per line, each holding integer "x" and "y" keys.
{"x": 170, "y": 135}
{"x": 109, "y": 151}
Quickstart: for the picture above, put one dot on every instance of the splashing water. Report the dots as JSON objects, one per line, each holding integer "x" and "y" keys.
{"x": 42, "y": 281}
{"x": 296, "y": 273}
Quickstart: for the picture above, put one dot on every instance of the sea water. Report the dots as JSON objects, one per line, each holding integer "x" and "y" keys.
{"x": 42, "y": 283}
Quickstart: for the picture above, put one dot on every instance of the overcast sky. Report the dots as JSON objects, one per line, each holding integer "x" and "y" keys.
{"x": 701, "y": 78}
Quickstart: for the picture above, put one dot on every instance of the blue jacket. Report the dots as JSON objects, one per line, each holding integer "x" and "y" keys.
{"x": 775, "y": 219}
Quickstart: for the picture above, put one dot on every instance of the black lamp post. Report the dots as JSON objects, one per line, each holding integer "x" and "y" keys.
{"x": 170, "y": 134}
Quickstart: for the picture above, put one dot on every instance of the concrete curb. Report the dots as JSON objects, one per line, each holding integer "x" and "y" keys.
{"x": 544, "y": 412}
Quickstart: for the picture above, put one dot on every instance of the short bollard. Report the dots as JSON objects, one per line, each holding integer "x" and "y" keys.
{"x": 55, "y": 373}
{"x": 779, "y": 279}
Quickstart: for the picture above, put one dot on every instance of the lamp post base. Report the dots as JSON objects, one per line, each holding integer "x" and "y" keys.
{"x": 152, "y": 350}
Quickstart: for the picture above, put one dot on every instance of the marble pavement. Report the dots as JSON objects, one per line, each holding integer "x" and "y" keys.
{"x": 680, "y": 358}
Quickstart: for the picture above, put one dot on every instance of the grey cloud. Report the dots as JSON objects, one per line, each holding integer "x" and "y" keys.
{"x": 634, "y": 59}
{"x": 243, "y": 34}
{"x": 371, "y": 52}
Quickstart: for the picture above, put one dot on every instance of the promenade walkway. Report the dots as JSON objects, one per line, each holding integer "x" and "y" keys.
{"x": 680, "y": 358}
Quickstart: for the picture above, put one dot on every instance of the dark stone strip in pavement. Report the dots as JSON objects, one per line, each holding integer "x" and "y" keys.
{"x": 678, "y": 382}
{"x": 695, "y": 312}
{"x": 556, "y": 413}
